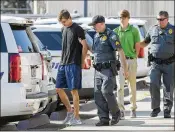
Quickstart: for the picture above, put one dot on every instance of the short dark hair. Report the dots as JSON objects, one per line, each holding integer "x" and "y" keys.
{"x": 164, "y": 13}
{"x": 64, "y": 14}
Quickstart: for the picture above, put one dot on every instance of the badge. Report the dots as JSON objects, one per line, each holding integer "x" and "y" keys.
{"x": 104, "y": 38}
{"x": 117, "y": 43}
{"x": 170, "y": 31}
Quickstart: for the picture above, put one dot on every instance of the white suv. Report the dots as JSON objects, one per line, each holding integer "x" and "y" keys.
{"x": 21, "y": 71}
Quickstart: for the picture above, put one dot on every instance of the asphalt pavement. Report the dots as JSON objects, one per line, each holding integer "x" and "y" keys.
{"x": 88, "y": 114}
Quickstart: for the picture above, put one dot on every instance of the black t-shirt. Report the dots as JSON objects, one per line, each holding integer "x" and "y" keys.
{"x": 71, "y": 47}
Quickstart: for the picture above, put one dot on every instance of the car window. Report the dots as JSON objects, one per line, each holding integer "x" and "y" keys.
{"x": 22, "y": 39}
{"x": 91, "y": 33}
{"x": 89, "y": 40}
{"x": 112, "y": 26}
{"x": 39, "y": 43}
{"x": 142, "y": 30}
{"x": 52, "y": 40}
{"x": 3, "y": 47}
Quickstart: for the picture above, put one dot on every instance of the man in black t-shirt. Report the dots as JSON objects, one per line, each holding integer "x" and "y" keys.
{"x": 74, "y": 50}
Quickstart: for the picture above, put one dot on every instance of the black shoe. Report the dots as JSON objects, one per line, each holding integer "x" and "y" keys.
{"x": 116, "y": 119}
{"x": 155, "y": 112}
{"x": 167, "y": 113}
{"x": 102, "y": 123}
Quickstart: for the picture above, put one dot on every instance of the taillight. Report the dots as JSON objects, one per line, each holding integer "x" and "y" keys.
{"x": 42, "y": 61}
{"x": 141, "y": 53}
{"x": 87, "y": 62}
{"x": 15, "y": 68}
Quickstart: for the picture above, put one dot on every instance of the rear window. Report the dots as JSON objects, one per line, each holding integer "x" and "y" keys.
{"x": 3, "y": 43}
{"x": 50, "y": 39}
{"x": 23, "y": 39}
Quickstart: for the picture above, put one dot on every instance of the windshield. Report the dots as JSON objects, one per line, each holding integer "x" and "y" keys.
{"x": 41, "y": 46}
{"x": 50, "y": 39}
{"x": 112, "y": 26}
{"x": 53, "y": 40}
{"x": 89, "y": 40}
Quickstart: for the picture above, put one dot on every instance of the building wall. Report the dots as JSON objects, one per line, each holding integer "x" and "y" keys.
{"x": 142, "y": 9}
{"x": 54, "y": 7}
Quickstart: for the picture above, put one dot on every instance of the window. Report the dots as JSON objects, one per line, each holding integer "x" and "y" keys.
{"x": 52, "y": 40}
{"x": 22, "y": 38}
{"x": 91, "y": 33}
{"x": 142, "y": 30}
{"x": 112, "y": 26}
{"x": 3, "y": 43}
{"x": 41, "y": 46}
{"x": 89, "y": 40}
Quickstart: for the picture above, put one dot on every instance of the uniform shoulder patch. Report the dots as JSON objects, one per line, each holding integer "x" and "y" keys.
{"x": 114, "y": 37}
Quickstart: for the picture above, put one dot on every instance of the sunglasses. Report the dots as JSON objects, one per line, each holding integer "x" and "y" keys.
{"x": 161, "y": 19}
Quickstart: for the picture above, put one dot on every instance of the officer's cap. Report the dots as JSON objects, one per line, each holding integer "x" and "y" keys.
{"x": 97, "y": 19}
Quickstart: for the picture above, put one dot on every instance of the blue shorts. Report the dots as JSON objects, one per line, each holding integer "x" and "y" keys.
{"x": 69, "y": 76}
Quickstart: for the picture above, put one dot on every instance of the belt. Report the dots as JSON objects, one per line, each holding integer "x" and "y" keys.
{"x": 104, "y": 65}
{"x": 127, "y": 57}
{"x": 161, "y": 61}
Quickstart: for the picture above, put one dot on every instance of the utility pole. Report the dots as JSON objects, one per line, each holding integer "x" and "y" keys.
{"x": 85, "y": 8}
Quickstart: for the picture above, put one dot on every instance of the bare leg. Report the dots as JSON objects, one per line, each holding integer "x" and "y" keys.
{"x": 64, "y": 98}
{"x": 75, "y": 96}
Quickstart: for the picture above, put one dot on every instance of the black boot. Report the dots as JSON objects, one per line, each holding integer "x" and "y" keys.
{"x": 167, "y": 113}
{"x": 116, "y": 119}
{"x": 155, "y": 112}
{"x": 102, "y": 123}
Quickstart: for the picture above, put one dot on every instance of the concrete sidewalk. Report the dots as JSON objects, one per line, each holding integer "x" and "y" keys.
{"x": 142, "y": 122}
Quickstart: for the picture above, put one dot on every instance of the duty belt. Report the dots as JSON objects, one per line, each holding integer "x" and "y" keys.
{"x": 107, "y": 65}
{"x": 104, "y": 65}
{"x": 162, "y": 61}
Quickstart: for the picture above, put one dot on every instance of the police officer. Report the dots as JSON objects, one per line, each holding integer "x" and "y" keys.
{"x": 104, "y": 48}
{"x": 162, "y": 57}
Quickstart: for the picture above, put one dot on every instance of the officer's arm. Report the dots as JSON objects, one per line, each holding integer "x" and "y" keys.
{"x": 146, "y": 41}
{"x": 142, "y": 44}
{"x": 114, "y": 39}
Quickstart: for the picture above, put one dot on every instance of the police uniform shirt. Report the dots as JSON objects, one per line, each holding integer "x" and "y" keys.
{"x": 162, "y": 41}
{"x": 104, "y": 46}
{"x": 108, "y": 37}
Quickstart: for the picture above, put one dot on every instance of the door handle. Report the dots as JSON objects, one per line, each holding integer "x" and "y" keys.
{"x": 34, "y": 66}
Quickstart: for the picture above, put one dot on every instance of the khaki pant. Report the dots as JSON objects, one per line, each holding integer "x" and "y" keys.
{"x": 131, "y": 81}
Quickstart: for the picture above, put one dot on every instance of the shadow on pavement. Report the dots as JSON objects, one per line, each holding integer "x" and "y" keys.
{"x": 48, "y": 127}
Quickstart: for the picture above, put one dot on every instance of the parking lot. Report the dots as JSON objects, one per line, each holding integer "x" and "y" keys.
{"x": 39, "y": 40}
{"x": 89, "y": 117}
